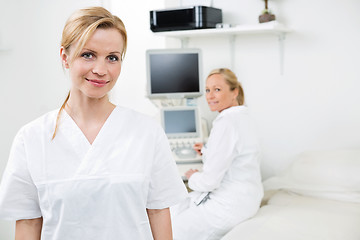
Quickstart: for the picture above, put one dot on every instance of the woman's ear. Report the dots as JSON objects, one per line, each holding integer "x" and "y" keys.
{"x": 64, "y": 57}
{"x": 236, "y": 92}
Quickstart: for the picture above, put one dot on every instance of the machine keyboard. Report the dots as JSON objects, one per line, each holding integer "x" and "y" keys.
{"x": 184, "y": 152}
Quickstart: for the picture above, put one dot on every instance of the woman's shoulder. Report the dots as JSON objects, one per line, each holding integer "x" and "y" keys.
{"x": 236, "y": 110}
{"x": 136, "y": 122}
{"x": 35, "y": 127}
{"x": 134, "y": 117}
{"x": 133, "y": 114}
{"x": 46, "y": 118}
{"x": 232, "y": 113}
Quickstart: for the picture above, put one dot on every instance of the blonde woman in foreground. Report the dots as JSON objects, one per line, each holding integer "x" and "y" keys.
{"x": 91, "y": 170}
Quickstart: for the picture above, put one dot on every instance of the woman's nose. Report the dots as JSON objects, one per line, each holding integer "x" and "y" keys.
{"x": 209, "y": 95}
{"x": 99, "y": 68}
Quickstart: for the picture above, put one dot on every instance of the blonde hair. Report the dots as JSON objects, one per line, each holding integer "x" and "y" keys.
{"x": 232, "y": 81}
{"x": 80, "y": 26}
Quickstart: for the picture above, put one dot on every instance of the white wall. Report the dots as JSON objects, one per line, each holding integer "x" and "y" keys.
{"x": 315, "y": 104}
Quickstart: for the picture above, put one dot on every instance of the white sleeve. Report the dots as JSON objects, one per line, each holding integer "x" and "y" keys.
{"x": 18, "y": 194}
{"x": 219, "y": 154}
{"x": 166, "y": 186}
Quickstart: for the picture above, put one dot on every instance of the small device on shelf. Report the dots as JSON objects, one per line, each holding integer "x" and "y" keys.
{"x": 185, "y": 18}
{"x": 266, "y": 15}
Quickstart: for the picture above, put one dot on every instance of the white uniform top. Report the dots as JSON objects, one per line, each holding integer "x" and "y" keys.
{"x": 231, "y": 170}
{"x": 84, "y": 191}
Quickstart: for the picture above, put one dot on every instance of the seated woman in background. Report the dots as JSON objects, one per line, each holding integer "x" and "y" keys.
{"x": 228, "y": 190}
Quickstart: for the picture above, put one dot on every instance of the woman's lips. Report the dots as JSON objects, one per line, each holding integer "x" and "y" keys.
{"x": 212, "y": 102}
{"x": 97, "y": 83}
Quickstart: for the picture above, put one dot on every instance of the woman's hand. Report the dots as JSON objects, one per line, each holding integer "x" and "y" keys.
{"x": 197, "y": 147}
{"x": 190, "y": 172}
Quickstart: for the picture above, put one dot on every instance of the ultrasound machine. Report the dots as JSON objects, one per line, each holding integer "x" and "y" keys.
{"x": 183, "y": 128}
{"x": 174, "y": 76}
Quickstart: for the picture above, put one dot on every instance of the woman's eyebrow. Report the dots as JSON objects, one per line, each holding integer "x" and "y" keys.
{"x": 115, "y": 52}
{"x": 90, "y": 50}
{"x": 87, "y": 49}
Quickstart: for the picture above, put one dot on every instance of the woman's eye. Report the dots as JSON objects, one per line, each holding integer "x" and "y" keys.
{"x": 207, "y": 90}
{"x": 87, "y": 55}
{"x": 217, "y": 89}
{"x": 113, "y": 58}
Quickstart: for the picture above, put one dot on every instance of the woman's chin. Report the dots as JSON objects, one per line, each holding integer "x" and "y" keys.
{"x": 213, "y": 109}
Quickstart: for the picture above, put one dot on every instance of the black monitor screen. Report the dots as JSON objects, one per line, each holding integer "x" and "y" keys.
{"x": 174, "y": 73}
{"x": 182, "y": 121}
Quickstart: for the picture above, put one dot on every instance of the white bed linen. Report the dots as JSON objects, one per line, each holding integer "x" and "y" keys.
{"x": 289, "y": 216}
{"x": 328, "y": 174}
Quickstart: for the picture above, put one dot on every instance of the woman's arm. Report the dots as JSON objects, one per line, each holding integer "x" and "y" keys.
{"x": 219, "y": 156}
{"x": 28, "y": 229}
{"x": 160, "y": 223}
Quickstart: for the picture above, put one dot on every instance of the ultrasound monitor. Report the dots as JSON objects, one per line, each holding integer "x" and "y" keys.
{"x": 181, "y": 122}
{"x": 174, "y": 73}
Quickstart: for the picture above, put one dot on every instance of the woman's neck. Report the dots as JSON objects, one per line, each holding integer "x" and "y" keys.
{"x": 88, "y": 109}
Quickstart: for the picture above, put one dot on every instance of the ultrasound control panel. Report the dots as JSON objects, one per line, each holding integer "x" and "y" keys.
{"x": 183, "y": 150}
{"x": 184, "y": 128}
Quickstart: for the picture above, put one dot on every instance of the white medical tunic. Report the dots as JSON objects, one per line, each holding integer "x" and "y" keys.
{"x": 90, "y": 191}
{"x": 231, "y": 173}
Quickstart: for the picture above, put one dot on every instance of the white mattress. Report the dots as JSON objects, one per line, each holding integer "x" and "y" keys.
{"x": 289, "y": 216}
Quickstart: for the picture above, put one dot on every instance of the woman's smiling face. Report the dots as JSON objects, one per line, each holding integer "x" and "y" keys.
{"x": 95, "y": 71}
{"x": 219, "y": 96}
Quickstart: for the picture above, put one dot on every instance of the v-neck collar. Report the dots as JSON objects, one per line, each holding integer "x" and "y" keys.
{"x": 75, "y": 135}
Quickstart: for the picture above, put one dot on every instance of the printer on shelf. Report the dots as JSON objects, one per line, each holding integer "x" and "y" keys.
{"x": 184, "y": 18}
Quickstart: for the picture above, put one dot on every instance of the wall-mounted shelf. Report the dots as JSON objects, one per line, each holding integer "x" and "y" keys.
{"x": 270, "y": 27}
{"x": 273, "y": 27}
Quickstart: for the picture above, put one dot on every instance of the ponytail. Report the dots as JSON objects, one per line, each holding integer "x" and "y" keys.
{"x": 241, "y": 97}
{"x": 59, "y": 114}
